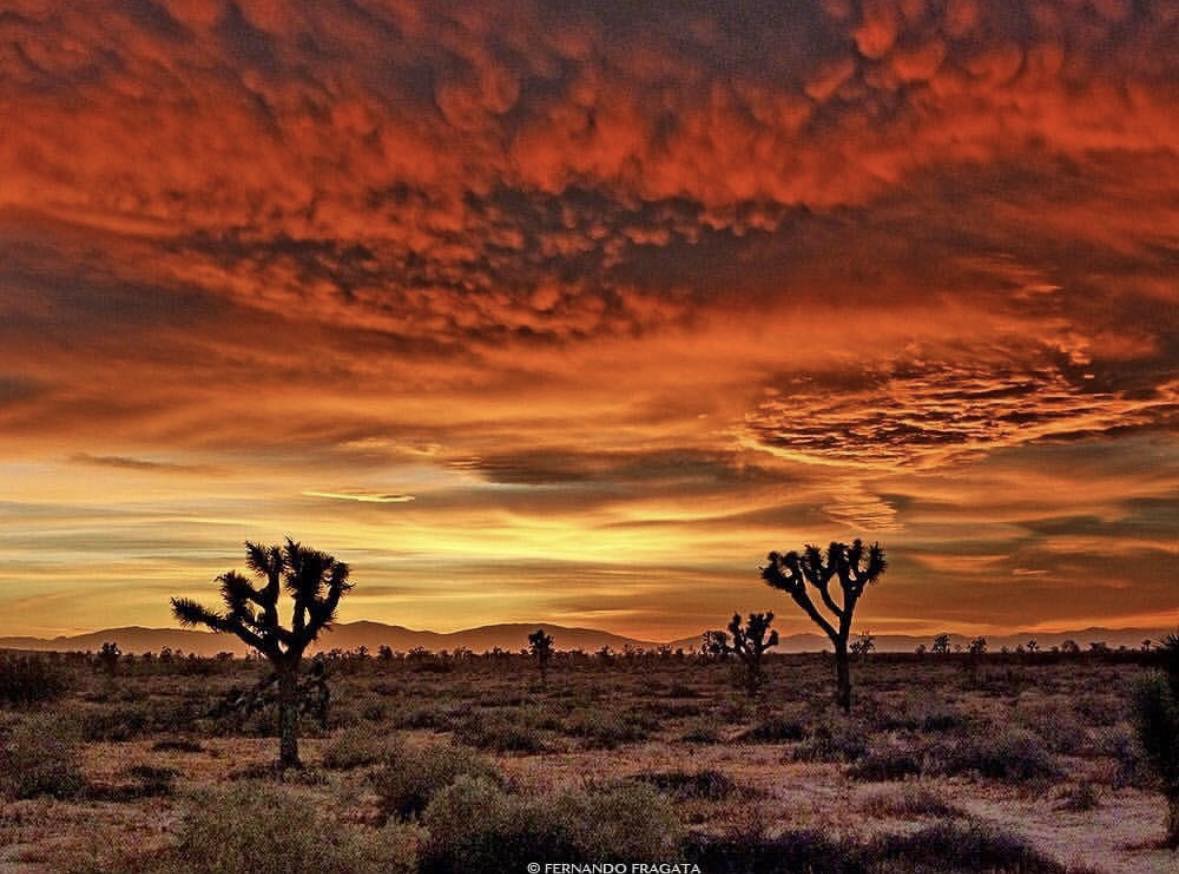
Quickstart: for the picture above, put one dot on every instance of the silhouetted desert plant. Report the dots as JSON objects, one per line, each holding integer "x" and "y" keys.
{"x": 29, "y": 679}
{"x": 541, "y": 647}
{"x": 39, "y": 755}
{"x": 749, "y": 643}
{"x": 475, "y": 826}
{"x": 314, "y": 580}
{"x": 108, "y": 657}
{"x": 854, "y": 567}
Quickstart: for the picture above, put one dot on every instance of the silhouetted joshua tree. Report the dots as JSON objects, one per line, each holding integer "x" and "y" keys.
{"x": 108, "y": 657}
{"x": 541, "y": 647}
{"x": 854, "y": 567}
{"x": 314, "y": 580}
{"x": 714, "y": 645}
{"x": 863, "y": 646}
{"x": 750, "y": 644}
{"x": 1157, "y": 718}
{"x": 941, "y": 644}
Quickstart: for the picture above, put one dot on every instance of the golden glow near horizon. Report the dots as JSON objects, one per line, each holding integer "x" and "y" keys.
{"x": 571, "y": 312}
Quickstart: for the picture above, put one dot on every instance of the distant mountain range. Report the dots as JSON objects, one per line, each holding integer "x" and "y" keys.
{"x": 350, "y": 635}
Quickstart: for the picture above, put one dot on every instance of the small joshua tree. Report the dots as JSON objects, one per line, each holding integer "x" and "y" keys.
{"x": 541, "y": 647}
{"x": 863, "y": 645}
{"x": 1157, "y": 718}
{"x": 715, "y": 645}
{"x": 941, "y": 644}
{"x": 750, "y": 644}
{"x": 108, "y": 657}
{"x": 854, "y": 567}
{"x": 314, "y": 580}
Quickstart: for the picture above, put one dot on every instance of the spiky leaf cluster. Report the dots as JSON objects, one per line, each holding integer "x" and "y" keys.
{"x": 314, "y": 580}
{"x": 755, "y": 638}
{"x": 854, "y": 567}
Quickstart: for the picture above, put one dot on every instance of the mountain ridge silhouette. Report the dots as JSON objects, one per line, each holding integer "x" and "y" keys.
{"x": 513, "y": 636}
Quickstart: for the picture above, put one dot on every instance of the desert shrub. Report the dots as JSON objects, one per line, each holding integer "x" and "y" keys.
{"x": 806, "y": 850}
{"x": 119, "y": 723}
{"x": 602, "y": 729}
{"x": 29, "y": 679}
{"x": 953, "y": 846}
{"x": 1120, "y": 744}
{"x": 701, "y": 732}
{"x": 177, "y": 745}
{"x": 920, "y": 714}
{"x": 833, "y": 741}
{"x": 775, "y": 730}
{"x": 709, "y": 784}
{"x": 410, "y": 777}
{"x": 1080, "y": 797}
{"x": 500, "y": 733}
{"x": 1057, "y": 724}
{"x": 425, "y": 716}
{"x": 266, "y": 829}
{"x": 39, "y": 756}
{"x": 1157, "y": 710}
{"x": 886, "y": 762}
{"x": 1014, "y": 755}
{"x": 905, "y": 801}
{"x": 355, "y": 747}
{"x": 152, "y": 780}
{"x": 474, "y": 826}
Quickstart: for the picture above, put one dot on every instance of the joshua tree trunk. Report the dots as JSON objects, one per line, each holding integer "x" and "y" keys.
{"x": 288, "y": 717}
{"x": 842, "y": 676}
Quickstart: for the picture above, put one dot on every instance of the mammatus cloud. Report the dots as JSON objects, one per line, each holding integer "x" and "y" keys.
{"x": 558, "y": 288}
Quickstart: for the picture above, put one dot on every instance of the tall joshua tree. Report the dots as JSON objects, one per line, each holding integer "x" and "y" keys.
{"x": 854, "y": 568}
{"x": 314, "y": 580}
{"x": 541, "y": 646}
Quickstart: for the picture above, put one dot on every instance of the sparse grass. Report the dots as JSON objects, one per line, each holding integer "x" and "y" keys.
{"x": 905, "y": 801}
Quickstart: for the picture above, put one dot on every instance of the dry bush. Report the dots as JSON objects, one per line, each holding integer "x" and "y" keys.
{"x": 1014, "y": 755}
{"x": 474, "y": 826}
{"x": 905, "y": 801}
{"x": 411, "y": 777}
{"x": 29, "y": 679}
{"x": 266, "y": 829}
{"x": 356, "y": 747}
{"x": 39, "y": 756}
{"x": 708, "y": 784}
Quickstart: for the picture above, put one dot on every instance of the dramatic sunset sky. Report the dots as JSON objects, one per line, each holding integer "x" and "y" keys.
{"x": 571, "y": 311}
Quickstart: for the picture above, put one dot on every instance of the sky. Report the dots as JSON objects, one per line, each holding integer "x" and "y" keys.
{"x": 570, "y": 312}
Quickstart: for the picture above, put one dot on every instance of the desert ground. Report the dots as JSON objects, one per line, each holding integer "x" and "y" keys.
{"x": 432, "y": 763}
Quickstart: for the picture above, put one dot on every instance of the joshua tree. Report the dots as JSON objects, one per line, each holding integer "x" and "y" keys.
{"x": 978, "y": 647}
{"x": 941, "y": 645}
{"x": 715, "y": 644}
{"x": 1032, "y": 646}
{"x": 750, "y": 644}
{"x": 1070, "y": 647}
{"x": 863, "y": 645}
{"x": 541, "y": 647}
{"x": 108, "y": 657}
{"x": 1157, "y": 712}
{"x": 314, "y": 580}
{"x": 854, "y": 567}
